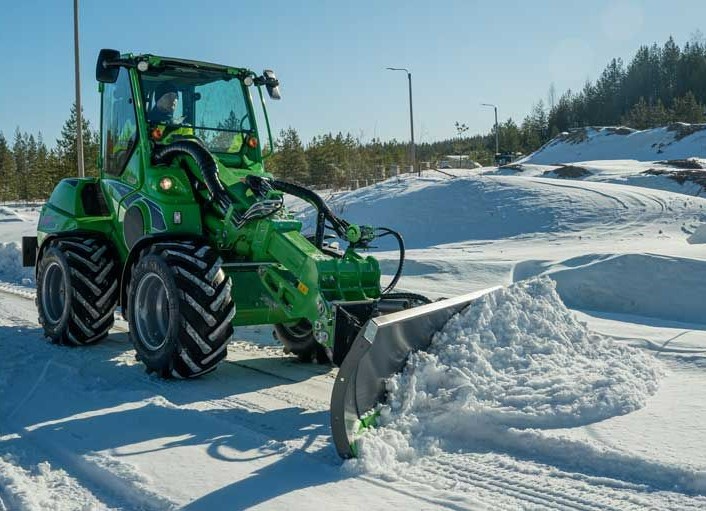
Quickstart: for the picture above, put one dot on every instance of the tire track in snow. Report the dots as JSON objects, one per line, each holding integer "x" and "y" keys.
{"x": 113, "y": 488}
{"x": 107, "y": 488}
{"x": 622, "y": 198}
{"x": 522, "y": 483}
{"x": 530, "y": 484}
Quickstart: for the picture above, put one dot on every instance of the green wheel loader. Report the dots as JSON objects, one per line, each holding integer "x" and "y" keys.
{"x": 188, "y": 234}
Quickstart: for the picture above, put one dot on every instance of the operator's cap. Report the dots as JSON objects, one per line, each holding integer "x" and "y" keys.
{"x": 164, "y": 88}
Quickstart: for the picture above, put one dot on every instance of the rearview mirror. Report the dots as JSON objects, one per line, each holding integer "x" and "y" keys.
{"x": 105, "y": 73}
{"x": 272, "y": 84}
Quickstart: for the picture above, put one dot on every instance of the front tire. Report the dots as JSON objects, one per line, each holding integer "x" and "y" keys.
{"x": 77, "y": 290}
{"x": 180, "y": 309}
{"x": 298, "y": 339}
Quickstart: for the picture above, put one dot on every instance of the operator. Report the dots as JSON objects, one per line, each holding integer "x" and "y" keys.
{"x": 161, "y": 116}
{"x": 167, "y": 98}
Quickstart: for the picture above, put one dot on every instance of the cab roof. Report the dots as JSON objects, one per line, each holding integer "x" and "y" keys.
{"x": 156, "y": 60}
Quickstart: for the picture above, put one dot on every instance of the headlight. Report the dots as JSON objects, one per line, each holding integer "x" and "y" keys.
{"x": 166, "y": 183}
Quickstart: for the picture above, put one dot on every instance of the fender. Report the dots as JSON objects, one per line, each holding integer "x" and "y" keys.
{"x": 134, "y": 254}
{"x": 82, "y": 233}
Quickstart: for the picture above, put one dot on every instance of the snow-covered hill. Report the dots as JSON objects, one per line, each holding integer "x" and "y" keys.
{"x": 598, "y": 407}
{"x": 676, "y": 141}
{"x": 670, "y": 158}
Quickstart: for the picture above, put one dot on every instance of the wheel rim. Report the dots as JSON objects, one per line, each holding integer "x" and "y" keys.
{"x": 151, "y": 311}
{"x": 54, "y": 293}
{"x": 299, "y": 331}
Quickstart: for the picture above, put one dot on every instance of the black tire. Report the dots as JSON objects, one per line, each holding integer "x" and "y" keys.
{"x": 77, "y": 290}
{"x": 298, "y": 339}
{"x": 180, "y": 309}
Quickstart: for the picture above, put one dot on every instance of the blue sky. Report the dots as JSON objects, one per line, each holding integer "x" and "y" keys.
{"x": 331, "y": 56}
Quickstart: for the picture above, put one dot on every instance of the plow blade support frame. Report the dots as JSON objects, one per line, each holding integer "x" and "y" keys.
{"x": 380, "y": 351}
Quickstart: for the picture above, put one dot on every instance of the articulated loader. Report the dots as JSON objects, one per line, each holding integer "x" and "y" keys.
{"x": 188, "y": 234}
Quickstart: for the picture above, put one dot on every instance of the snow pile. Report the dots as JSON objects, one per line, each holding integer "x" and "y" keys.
{"x": 517, "y": 358}
{"x": 698, "y": 236}
{"x": 9, "y": 215}
{"x": 11, "y": 269}
{"x": 41, "y": 487}
{"x": 676, "y": 141}
{"x": 651, "y": 285}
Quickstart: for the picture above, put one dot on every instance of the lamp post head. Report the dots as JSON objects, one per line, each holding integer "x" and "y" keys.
{"x": 399, "y": 69}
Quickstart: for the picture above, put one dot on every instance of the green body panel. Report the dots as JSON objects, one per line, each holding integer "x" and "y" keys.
{"x": 278, "y": 275}
{"x": 64, "y": 212}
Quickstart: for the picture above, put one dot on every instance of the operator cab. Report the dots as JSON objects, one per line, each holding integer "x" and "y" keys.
{"x": 188, "y": 102}
{"x": 166, "y": 99}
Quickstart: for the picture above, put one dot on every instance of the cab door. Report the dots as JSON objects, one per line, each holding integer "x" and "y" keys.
{"x": 120, "y": 158}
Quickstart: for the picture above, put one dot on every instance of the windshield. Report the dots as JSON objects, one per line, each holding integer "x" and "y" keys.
{"x": 191, "y": 102}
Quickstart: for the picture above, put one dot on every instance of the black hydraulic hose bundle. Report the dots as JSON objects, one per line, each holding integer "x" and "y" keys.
{"x": 165, "y": 154}
{"x": 340, "y": 226}
{"x": 323, "y": 211}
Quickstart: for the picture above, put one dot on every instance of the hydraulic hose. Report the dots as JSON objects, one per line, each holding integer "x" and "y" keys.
{"x": 408, "y": 296}
{"x": 340, "y": 226}
{"x": 400, "y": 266}
{"x": 323, "y": 211}
{"x": 165, "y": 154}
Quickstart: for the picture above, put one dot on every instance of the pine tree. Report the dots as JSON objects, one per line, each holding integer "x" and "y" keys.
{"x": 66, "y": 147}
{"x": 7, "y": 169}
{"x": 688, "y": 109}
{"x": 43, "y": 184}
{"x": 31, "y": 183}
{"x": 20, "y": 177}
{"x": 289, "y": 162}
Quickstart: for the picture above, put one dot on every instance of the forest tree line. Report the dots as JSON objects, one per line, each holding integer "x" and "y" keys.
{"x": 660, "y": 85}
{"x": 29, "y": 169}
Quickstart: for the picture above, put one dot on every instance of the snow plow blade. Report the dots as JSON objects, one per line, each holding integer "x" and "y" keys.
{"x": 379, "y": 351}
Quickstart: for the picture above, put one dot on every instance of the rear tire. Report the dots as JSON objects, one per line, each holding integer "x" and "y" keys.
{"x": 180, "y": 309}
{"x": 77, "y": 290}
{"x": 298, "y": 339}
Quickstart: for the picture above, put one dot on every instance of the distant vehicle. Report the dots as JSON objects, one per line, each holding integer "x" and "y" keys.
{"x": 505, "y": 158}
{"x": 444, "y": 164}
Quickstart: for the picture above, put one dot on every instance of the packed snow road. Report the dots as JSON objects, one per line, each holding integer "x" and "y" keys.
{"x": 88, "y": 425}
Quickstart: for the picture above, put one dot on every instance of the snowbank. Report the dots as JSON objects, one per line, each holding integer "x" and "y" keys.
{"x": 698, "y": 236}
{"x": 42, "y": 487}
{"x": 671, "y": 288}
{"x": 518, "y": 358}
{"x": 8, "y": 215}
{"x": 676, "y": 141}
{"x": 11, "y": 269}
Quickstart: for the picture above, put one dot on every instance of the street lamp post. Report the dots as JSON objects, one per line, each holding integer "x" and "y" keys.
{"x": 497, "y": 131}
{"x": 79, "y": 128}
{"x": 411, "y": 117}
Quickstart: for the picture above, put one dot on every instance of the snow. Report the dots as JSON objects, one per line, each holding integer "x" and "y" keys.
{"x": 577, "y": 386}
{"x": 16, "y": 221}
{"x": 676, "y": 141}
{"x": 515, "y": 358}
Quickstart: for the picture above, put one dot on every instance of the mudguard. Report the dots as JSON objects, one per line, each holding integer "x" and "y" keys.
{"x": 379, "y": 351}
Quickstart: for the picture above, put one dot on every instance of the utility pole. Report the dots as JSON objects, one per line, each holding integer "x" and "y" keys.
{"x": 497, "y": 131}
{"x": 411, "y": 119}
{"x": 79, "y": 127}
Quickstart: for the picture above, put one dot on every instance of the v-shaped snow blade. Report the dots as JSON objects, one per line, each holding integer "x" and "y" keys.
{"x": 379, "y": 351}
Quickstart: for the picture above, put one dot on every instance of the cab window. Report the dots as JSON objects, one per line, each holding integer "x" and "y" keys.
{"x": 119, "y": 128}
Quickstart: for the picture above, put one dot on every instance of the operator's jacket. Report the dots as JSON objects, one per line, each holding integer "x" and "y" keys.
{"x": 170, "y": 131}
